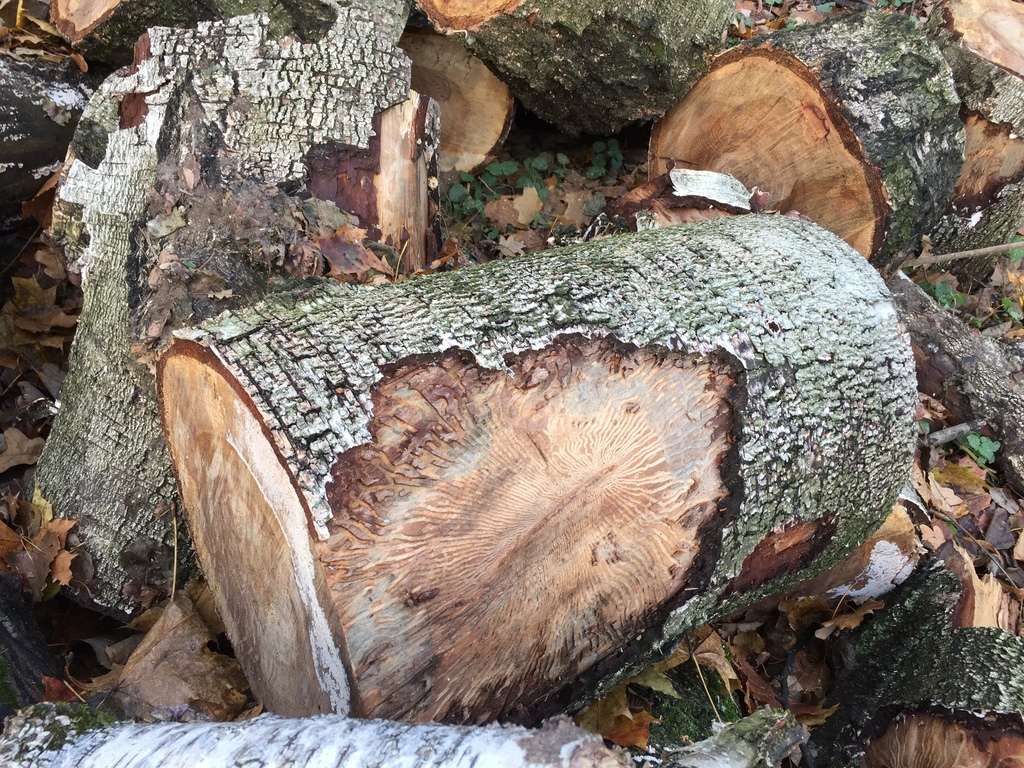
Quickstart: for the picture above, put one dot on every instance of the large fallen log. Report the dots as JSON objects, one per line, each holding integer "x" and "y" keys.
{"x": 594, "y": 67}
{"x": 77, "y": 738}
{"x": 188, "y": 187}
{"x": 851, "y": 122}
{"x": 981, "y": 41}
{"x": 532, "y": 474}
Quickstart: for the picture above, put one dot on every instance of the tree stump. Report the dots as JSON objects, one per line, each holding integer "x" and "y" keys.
{"x": 524, "y": 477}
{"x": 852, "y": 122}
{"x": 589, "y": 68}
{"x": 189, "y": 187}
{"x": 981, "y": 41}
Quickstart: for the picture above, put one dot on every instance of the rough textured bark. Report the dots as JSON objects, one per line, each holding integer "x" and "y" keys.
{"x": 40, "y": 103}
{"x": 975, "y": 376}
{"x": 176, "y": 206}
{"x": 344, "y": 409}
{"x": 476, "y": 107}
{"x": 106, "y": 30}
{"x": 590, "y": 67}
{"x": 55, "y": 738}
{"x": 912, "y": 657}
{"x": 981, "y": 41}
{"x": 851, "y": 122}
{"x": 24, "y": 655}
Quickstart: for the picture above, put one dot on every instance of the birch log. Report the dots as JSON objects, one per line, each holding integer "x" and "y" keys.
{"x": 852, "y": 122}
{"x": 521, "y": 478}
{"x": 46, "y": 737}
{"x": 189, "y": 184}
{"x": 981, "y": 40}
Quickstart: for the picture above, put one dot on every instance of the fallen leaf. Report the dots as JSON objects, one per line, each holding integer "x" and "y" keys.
{"x": 711, "y": 654}
{"x": 510, "y": 245}
{"x": 173, "y": 671}
{"x": 656, "y": 680}
{"x": 631, "y": 731}
{"x": 502, "y": 214}
{"x": 60, "y": 568}
{"x": 603, "y": 713}
{"x": 527, "y": 205}
{"x": 850, "y": 620}
{"x": 20, "y": 449}
{"x": 934, "y": 535}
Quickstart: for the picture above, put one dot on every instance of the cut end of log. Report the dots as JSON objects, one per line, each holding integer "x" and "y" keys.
{"x": 545, "y": 514}
{"x": 251, "y": 534}
{"x": 464, "y": 15}
{"x": 498, "y": 537}
{"x": 476, "y": 107}
{"x": 992, "y": 29}
{"x": 75, "y": 19}
{"x": 815, "y": 164}
{"x": 930, "y": 740}
{"x": 995, "y": 157}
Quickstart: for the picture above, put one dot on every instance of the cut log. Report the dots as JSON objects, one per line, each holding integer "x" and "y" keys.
{"x": 516, "y": 473}
{"x": 945, "y": 740}
{"x": 184, "y": 194}
{"x": 975, "y": 377}
{"x": 77, "y": 738}
{"x": 476, "y": 107}
{"x": 40, "y": 103}
{"x": 981, "y": 41}
{"x": 589, "y": 68}
{"x": 852, "y": 122}
{"x": 913, "y": 658}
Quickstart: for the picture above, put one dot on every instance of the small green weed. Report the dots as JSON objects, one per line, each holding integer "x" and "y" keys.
{"x": 945, "y": 294}
{"x": 606, "y": 160}
{"x": 980, "y": 448}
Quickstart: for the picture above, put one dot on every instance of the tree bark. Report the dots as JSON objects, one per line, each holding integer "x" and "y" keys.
{"x": 40, "y": 103}
{"x": 183, "y": 196}
{"x": 45, "y": 736}
{"x": 973, "y": 375}
{"x": 851, "y": 122}
{"x": 592, "y": 451}
{"x": 107, "y": 30}
{"x": 24, "y": 655}
{"x": 979, "y": 39}
{"x": 589, "y": 67}
{"x": 913, "y": 657}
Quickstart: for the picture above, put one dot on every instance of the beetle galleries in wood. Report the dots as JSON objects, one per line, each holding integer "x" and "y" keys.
{"x": 508, "y": 532}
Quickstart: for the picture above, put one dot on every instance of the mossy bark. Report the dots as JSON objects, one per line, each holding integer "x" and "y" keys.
{"x": 212, "y": 124}
{"x": 595, "y": 66}
{"x": 823, "y": 406}
{"x": 911, "y": 657}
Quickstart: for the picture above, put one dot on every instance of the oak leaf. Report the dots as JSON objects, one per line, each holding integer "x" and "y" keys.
{"x": 20, "y": 449}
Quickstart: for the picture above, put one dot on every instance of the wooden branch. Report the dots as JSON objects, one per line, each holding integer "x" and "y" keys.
{"x": 926, "y": 261}
{"x": 560, "y": 449}
{"x": 859, "y": 135}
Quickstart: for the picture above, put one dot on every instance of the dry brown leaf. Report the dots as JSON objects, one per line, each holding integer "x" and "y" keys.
{"x": 20, "y": 449}
{"x": 945, "y": 499}
{"x": 656, "y": 680}
{"x": 527, "y": 205}
{"x": 850, "y": 620}
{"x": 982, "y": 603}
{"x": 502, "y": 214}
{"x": 173, "y": 670}
{"x": 934, "y": 535}
{"x": 60, "y": 568}
{"x": 603, "y": 713}
{"x": 631, "y": 731}
{"x": 711, "y": 654}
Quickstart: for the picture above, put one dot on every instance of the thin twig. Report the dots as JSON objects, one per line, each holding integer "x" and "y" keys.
{"x": 925, "y": 261}
{"x": 703, "y": 682}
{"x": 950, "y": 434}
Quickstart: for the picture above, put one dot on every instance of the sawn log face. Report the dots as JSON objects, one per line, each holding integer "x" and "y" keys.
{"x": 521, "y": 478}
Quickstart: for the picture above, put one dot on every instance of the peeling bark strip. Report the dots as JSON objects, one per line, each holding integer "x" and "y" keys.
{"x": 981, "y": 41}
{"x": 199, "y": 132}
{"x": 589, "y": 67}
{"x": 515, "y": 473}
{"x": 47, "y": 736}
{"x": 853, "y": 123}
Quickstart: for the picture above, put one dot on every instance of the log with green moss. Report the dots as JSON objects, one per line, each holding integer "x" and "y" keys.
{"x": 852, "y": 123}
{"x": 218, "y": 161}
{"x": 589, "y": 67}
{"x": 480, "y": 495}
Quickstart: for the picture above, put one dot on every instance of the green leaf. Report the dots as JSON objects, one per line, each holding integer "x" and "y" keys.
{"x": 466, "y": 177}
{"x": 825, "y": 7}
{"x": 593, "y": 172}
{"x": 1017, "y": 253}
{"x": 599, "y": 146}
{"x": 540, "y": 163}
{"x": 983, "y": 447}
{"x": 562, "y": 159}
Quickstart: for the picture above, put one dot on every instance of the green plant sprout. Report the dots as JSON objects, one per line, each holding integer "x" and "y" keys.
{"x": 980, "y": 448}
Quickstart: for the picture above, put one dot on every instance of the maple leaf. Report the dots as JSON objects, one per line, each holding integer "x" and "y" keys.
{"x": 348, "y": 258}
{"x": 20, "y": 449}
{"x": 632, "y": 731}
{"x": 502, "y": 214}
